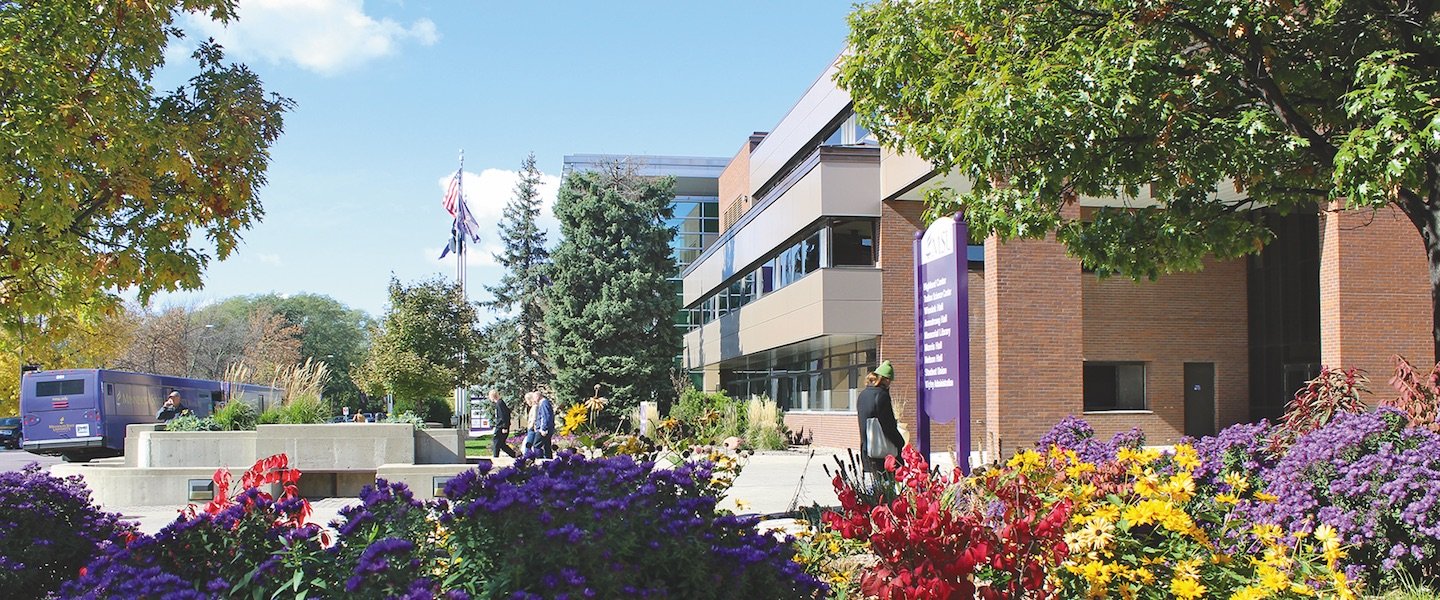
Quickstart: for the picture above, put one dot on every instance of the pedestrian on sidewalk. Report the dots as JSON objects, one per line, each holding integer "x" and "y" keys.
{"x": 874, "y": 403}
{"x": 500, "y": 420}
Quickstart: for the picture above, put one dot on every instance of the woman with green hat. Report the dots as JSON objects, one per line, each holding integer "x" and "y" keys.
{"x": 877, "y": 415}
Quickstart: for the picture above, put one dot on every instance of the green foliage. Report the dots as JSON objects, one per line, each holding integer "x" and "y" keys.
{"x": 106, "y": 181}
{"x": 236, "y": 416}
{"x": 611, "y": 306}
{"x": 329, "y": 333}
{"x": 515, "y": 348}
{"x": 703, "y": 418}
{"x": 765, "y": 424}
{"x": 187, "y": 421}
{"x": 304, "y": 410}
{"x": 1039, "y": 104}
{"x": 428, "y": 345}
{"x": 406, "y": 417}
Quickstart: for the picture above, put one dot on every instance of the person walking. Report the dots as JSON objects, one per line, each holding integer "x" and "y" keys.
{"x": 874, "y": 403}
{"x": 500, "y": 420}
{"x": 531, "y": 438}
{"x": 545, "y": 424}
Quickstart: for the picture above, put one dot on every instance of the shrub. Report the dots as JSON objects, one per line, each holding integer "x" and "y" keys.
{"x": 704, "y": 418}
{"x": 1074, "y": 433}
{"x": 236, "y": 416}
{"x": 406, "y": 417}
{"x": 388, "y": 546}
{"x": 1331, "y": 393}
{"x": 303, "y": 410}
{"x": 187, "y": 421}
{"x": 49, "y": 529}
{"x": 610, "y": 528}
{"x": 765, "y": 424}
{"x": 249, "y": 545}
{"x": 1375, "y": 481}
{"x": 1419, "y": 394}
{"x": 944, "y": 537}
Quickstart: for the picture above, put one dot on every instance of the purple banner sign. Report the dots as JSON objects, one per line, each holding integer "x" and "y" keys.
{"x": 942, "y": 334}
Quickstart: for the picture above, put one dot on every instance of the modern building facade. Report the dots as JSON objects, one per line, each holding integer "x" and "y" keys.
{"x": 811, "y": 283}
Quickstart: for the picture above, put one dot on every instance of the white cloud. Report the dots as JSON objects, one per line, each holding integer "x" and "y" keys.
{"x": 324, "y": 36}
{"x": 269, "y": 259}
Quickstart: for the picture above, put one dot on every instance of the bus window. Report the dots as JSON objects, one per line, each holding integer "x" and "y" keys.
{"x": 71, "y": 387}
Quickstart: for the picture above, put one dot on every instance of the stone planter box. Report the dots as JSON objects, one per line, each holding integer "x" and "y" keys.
{"x": 336, "y": 460}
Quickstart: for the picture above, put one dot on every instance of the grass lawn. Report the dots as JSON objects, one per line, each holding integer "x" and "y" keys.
{"x": 477, "y": 446}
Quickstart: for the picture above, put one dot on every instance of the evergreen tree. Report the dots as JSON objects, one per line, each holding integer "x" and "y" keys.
{"x": 515, "y": 344}
{"x": 611, "y": 315}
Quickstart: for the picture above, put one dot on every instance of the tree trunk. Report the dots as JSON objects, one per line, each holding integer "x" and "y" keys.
{"x": 1426, "y": 217}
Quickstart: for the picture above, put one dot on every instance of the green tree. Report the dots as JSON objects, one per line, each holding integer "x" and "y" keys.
{"x": 515, "y": 356}
{"x": 331, "y": 333}
{"x": 1039, "y": 103}
{"x": 425, "y": 347}
{"x": 611, "y": 308}
{"x": 106, "y": 182}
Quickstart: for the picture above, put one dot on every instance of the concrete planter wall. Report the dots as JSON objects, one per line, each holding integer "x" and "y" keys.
{"x": 336, "y": 460}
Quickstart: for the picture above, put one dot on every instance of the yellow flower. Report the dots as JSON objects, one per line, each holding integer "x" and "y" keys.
{"x": 1326, "y": 535}
{"x": 1273, "y": 579}
{"x": 1226, "y": 499}
{"x": 1188, "y": 569}
{"x": 1342, "y": 586}
{"x": 1186, "y": 458}
{"x": 1180, "y": 487}
{"x": 1267, "y": 532}
{"x": 1026, "y": 460}
{"x": 1237, "y": 482}
{"x": 1186, "y": 589}
{"x": 1266, "y": 497}
{"x": 743, "y": 504}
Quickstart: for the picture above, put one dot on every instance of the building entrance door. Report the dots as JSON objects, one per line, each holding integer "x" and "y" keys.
{"x": 1199, "y": 399}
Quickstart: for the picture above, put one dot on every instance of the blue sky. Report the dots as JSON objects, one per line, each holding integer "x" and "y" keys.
{"x": 388, "y": 92}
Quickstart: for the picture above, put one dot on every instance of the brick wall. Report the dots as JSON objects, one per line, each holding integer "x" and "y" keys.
{"x": 734, "y": 184}
{"x": 1033, "y": 340}
{"x": 831, "y": 430}
{"x": 1374, "y": 292}
{"x": 1179, "y": 318}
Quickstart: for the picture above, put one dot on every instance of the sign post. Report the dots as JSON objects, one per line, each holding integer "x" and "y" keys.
{"x": 480, "y": 425}
{"x": 942, "y": 334}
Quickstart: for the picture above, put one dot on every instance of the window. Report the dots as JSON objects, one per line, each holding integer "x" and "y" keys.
{"x": 1114, "y": 386}
{"x": 852, "y": 243}
{"x": 72, "y": 387}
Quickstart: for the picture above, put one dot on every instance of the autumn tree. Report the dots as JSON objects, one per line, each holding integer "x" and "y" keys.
{"x": 105, "y": 183}
{"x": 1295, "y": 104}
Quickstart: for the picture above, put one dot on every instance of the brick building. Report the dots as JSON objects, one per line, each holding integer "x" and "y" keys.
{"x": 810, "y": 285}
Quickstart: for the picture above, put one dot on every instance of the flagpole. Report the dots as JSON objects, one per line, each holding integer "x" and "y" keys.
{"x": 461, "y": 397}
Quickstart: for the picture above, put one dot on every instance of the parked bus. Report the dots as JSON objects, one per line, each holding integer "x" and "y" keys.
{"x": 80, "y": 414}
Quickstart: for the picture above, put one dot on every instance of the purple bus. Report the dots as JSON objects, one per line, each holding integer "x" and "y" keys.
{"x": 80, "y": 414}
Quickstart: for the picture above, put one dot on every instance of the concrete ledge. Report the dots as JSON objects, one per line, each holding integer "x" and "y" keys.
{"x": 421, "y": 479}
{"x": 197, "y": 449}
{"x": 112, "y": 484}
{"x": 339, "y": 446}
{"x": 439, "y": 446}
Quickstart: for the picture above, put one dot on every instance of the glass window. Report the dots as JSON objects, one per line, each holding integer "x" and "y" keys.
{"x": 852, "y": 243}
{"x": 1114, "y": 386}
{"x": 811, "y": 248}
{"x": 64, "y": 387}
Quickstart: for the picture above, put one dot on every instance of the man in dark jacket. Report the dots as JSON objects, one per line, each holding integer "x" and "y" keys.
{"x": 500, "y": 420}
{"x": 172, "y": 408}
{"x": 874, "y": 402}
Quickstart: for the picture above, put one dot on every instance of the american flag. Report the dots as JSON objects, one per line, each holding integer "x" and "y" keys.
{"x": 452, "y": 195}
